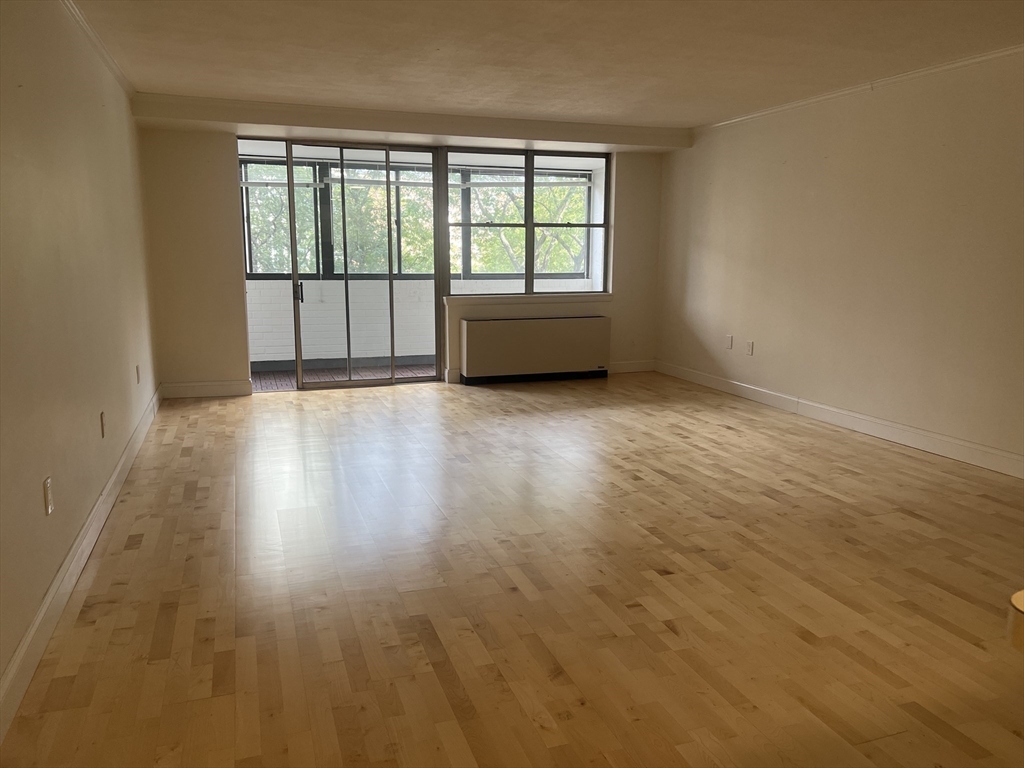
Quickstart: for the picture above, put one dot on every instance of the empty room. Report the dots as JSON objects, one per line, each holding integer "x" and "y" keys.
{"x": 511, "y": 383}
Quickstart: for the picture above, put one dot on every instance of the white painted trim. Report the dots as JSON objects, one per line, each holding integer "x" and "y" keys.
{"x": 944, "y": 445}
{"x": 228, "y": 388}
{"x": 631, "y": 366}
{"x": 97, "y": 43}
{"x": 22, "y": 666}
{"x": 766, "y": 396}
{"x": 479, "y": 300}
{"x": 996, "y": 459}
{"x": 451, "y": 375}
{"x": 869, "y": 86}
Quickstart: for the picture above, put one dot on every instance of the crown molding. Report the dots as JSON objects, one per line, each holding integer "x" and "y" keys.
{"x": 870, "y": 86}
{"x": 76, "y": 14}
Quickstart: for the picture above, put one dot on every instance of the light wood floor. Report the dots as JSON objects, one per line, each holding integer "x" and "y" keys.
{"x": 631, "y": 571}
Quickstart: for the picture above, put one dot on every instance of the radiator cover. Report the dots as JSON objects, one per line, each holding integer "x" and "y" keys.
{"x": 503, "y": 349}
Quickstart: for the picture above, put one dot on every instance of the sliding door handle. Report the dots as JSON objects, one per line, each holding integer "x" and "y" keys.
{"x": 298, "y": 294}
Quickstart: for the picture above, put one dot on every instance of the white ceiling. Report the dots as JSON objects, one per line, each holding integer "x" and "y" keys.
{"x": 623, "y": 62}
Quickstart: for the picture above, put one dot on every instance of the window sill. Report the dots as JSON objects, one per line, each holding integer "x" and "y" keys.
{"x": 470, "y": 300}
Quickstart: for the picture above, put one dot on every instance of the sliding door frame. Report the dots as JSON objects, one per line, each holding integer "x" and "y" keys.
{"x": 293, "y": 243}
{"x": 438, "y": 164}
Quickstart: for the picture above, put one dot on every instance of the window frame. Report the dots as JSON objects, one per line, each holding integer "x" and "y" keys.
{"x": 585, "y": 274}
{"x": 322, "y": 221}
{"x": 243, "y": 162}
{"x": 530, "y": 224}
{"x": 324, "y": 240}
{"x": 466, "y": 227}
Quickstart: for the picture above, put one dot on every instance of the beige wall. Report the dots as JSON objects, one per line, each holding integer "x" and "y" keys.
{"x": 872, "y": 246}
{"x": 632, "y": 304}
{"x": 73, "y": 304}
{"x": 194, "y": 238}
{"x": 197, "y": 276}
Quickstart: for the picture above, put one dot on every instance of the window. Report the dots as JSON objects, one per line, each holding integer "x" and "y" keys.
{"x": 414, "y": 218}
{"x": 569, "y": 230}
{"x": 517, "y": 221}
{"x": 487, "y": 222}
{"x": 365, "y": 217}
{"x": 319, "y": 190}
{"x": 491, "y": 221}
{"x": 265, "y": 203}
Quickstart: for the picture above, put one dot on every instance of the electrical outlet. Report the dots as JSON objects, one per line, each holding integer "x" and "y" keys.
{"x": 728, "y": 341}
{"x": 750, "y": 347}
{"x": 138, "y": 375}
{"x": 103, "y": 426}
{"x": 48, "y": 495}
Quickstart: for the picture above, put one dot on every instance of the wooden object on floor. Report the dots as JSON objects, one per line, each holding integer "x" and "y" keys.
{"x": 1015, "y": 620}
{"x": 631, "y": 571}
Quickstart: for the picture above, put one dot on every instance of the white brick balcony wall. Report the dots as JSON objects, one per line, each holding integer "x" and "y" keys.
{"x": 323, "y": 315}
{"x": 271, "y": 336}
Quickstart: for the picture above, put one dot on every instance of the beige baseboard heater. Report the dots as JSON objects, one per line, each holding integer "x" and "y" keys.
{"x": 525, "y": 349}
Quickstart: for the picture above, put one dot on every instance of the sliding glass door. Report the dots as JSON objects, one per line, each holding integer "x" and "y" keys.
{"x": 415, "y": 268}
{"x": 363, "y": 266}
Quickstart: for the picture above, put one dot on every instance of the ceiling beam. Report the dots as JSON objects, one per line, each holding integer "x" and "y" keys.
{"x": 275, "y": 120}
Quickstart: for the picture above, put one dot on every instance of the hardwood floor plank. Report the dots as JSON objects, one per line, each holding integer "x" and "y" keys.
{"x": 633, "y": 571}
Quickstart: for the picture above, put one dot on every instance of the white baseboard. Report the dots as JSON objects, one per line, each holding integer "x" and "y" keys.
{"x": 451, "y": 375}
{"x": 766, "y": 396}
{"x": 980, "y": 455}
{"x": 631, "y": 366}
{"x": 228, "y": 388}
{"x": 996, "y": 459}
{"x": 22, "y": 666}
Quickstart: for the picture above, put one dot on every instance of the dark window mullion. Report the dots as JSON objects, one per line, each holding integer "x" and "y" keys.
{"x": 590, "y": 218}
{"x": 247, "y": 219}
{"x": 497, "y": 224}
{"x": 398, "y": 221}
{"x": 315, "y": 199}
{"x": 467, "y": 231}
{"x": 565, "y": 225}
{"x": 326, "y": 218}
{"x": 531, "y": 234}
